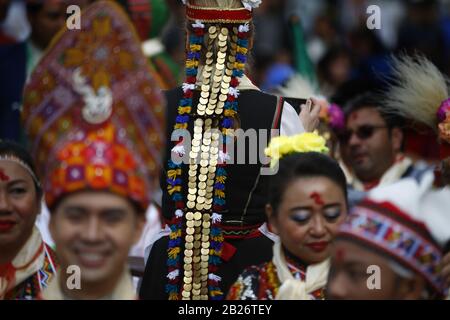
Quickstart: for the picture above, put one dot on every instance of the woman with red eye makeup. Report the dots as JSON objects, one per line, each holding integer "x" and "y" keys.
{"x": 307, "y": 204}
{"x": 27, "y": 264}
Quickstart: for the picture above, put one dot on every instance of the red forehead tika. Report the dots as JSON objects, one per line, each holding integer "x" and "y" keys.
{"x": 3, "y": 176}
{"x": 317, "y": 198}
{"x": 354, "y": 116}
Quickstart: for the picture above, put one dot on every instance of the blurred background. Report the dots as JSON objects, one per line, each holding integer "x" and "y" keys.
{"x": 326, "y": 41}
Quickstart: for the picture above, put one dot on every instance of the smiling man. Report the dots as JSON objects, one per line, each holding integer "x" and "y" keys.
{"x": 98, "y": 158}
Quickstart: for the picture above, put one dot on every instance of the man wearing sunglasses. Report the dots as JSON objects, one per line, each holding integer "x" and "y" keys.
{"x": 371, "y": 147}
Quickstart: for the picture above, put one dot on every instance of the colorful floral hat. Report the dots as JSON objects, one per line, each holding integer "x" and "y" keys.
{"x": 406, "y": 221}
{"x": 93, "y": 112}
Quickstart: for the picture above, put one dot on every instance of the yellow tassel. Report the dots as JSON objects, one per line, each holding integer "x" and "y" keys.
{"x": 174, "y": 235}
{"x": 221, "y": 179}
{"x": 191, "y": 64}
{"x": 174, "y": 252}
{"x": 173, "y": 296}
{"x": 195, "y": 47}
{"x": 172, "y": 174}
{"x": 242, "y": 50}
{"x": 229, "y": 113}
{"x": 174, "y": 189}
{"x": 239, "y": 66}
{"x": 183, "y": 110}
{"x": 220, "y": 194}
{"x": 181, "y": 126}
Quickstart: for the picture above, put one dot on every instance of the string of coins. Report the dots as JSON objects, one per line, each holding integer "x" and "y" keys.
{"x": 214, "y": 91}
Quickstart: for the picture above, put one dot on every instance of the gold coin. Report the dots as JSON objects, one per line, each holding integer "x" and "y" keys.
{"x": 209, "y": 55}
{"x": 206, "y": 74}
{"x": 205, "y": 245}
{"x": 192, "y": 191}
{"x": 229, "y": 72}
{"x": 204, "y": 94}
{"x": 198, "y": 223}
{"x": 200, "y": 200}
{"x": 217, "y": 79}
{"x": 197, "y": 286}
{"x": 206, "y": 224}
{"x": 205, "y": 237}
{"x": 212, "y": 169}
{"x": 201, "y": 112}
{"x": 186, "y": 294}
{"x": 202, "y": 177}
{"x": 223, "y": 98}
{"x": 196, "y": 267}
{"x": 213, "y": 162}
{"x": 198, "y": 136}
{"x": 209, "y": 112}
{"x": 204, "y": 101}
{"x": 209, "y": 183}
{"x": 188, "y": 267}
{"x": 190, "y": 224}
{"x": 224, "y": 31}
{"x": 207, "y": 142}
{"x": 189, "y": 238}
{"x": 205, "y": 149}
{"x": 207, "y": 206}
{"x": 206, "y": 217}
{"x": 215, "y": 90}
{"x": 202, "y": 185}
{"x": 196, "y": 293}
{"x": 196, "y": 259}
{"x": 204, "y": 265}
{"x": 187, "y": 287}
{"x": 197, "y": 236}
{"x": 189, "y": 245}
{"x": 191, "y": 204}
{"x": 189, "y": 216}
{"x": 208, "y": 69}
{"x": 220, "y": 66}
{"x": 199, "y": 206}
{"x": 198, "y": 128}
{"x": 211, "y": 175}
{"x": 223, "y": 48}
{"x": 203, "y": 170}
{"x": 204, "y": 278}
{"x": 205, "y": 231}
{"x": 195, "y": 150}
{"x": 190, "y": 230}
{"x": 197, "y": 244}
{"x": 205, "y": 156}
{"x": 191, "y": 197}
{"x": 204, "y": 163}
{"x": 202, "y": 193}
{"x": 221, "y": 55}
{"x": 221, "y": 61}
{"x": 205, "y": 252}
{"x": 187, "y": 260}
{"x": 198, "y": 122}
{"x": 223, "y": 38}
{"x": 205, "y": 87}
{"x": 188, "y": 273}
{"x": 204, "y": 271}
{"x": 187, "y": 280}
{"x": 188, "y": 253}
{"x": 209, "y": 199}
{"x": 197, "y": 215}
{"x": 212, "y": 29}
{"x": 196, "y": 143}
{"x": 224, "y": 90}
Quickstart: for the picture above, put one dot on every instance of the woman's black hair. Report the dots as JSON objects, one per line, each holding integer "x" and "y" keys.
{"x": 304, "y": 165}
{"x": 10, "y": 148}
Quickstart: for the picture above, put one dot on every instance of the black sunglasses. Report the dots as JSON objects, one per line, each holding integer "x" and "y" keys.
{"x": 363, "y": 132}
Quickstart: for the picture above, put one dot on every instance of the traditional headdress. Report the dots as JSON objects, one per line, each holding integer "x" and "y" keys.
{"x": 92, "y": 111}
{"x": 420, "y": 92}
{"x": 403, "y": 222}
{"x": 219, "y": 32}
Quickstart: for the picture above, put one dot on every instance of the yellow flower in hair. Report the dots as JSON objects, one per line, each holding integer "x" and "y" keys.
{"x": 284, "y": 145}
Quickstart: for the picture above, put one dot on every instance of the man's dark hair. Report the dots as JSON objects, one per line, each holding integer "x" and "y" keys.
{"x": 372, "y": 100}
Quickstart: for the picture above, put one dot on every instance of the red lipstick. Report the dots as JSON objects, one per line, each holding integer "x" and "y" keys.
{"x": 6, "y": 225}
{"x": 318, "y": 246}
